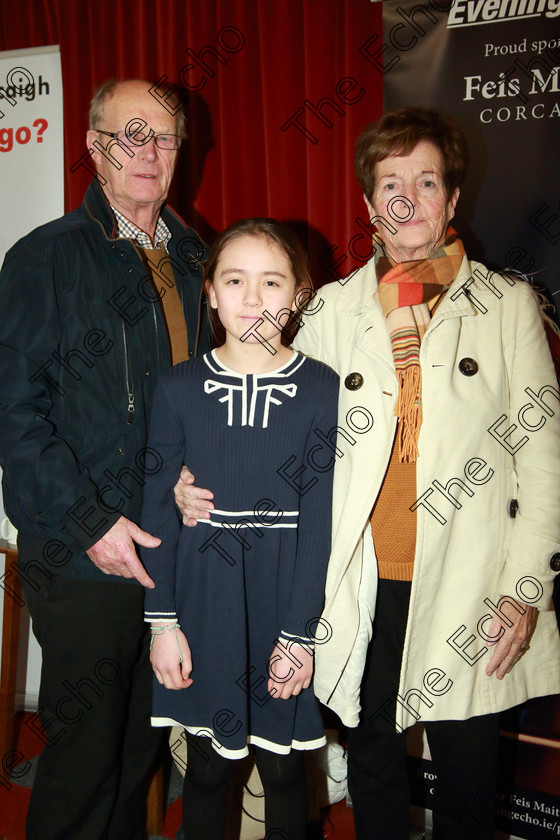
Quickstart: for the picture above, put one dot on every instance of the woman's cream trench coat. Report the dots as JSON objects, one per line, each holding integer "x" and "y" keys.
{"x": 490, "y": 434}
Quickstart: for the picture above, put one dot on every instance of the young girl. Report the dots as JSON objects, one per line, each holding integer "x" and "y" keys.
{"x": 238, "y": 598}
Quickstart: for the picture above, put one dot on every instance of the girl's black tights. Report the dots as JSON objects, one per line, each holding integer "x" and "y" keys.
{"x": 205, "y": 792}
{"x": 285, "y": 792}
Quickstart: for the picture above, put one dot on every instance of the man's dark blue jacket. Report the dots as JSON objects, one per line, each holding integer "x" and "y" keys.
{"x": 82, "y": 344}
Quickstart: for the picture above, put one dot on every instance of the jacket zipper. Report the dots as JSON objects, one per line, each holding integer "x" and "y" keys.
{"x": 154, "y": 313}
{"x": 196, "y": 262}
{"x": 201, "y": 308}
{"x": 129, "y": 379}
{"x": 201, "y": 315}
{"x": 181, "y": 295}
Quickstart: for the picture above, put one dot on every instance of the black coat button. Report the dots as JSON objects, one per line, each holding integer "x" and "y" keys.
{"x": 555, "y": 562}
{"x": 513, "y": 508}
{"x": 354, "y": 381}
{"x": 468, "y": 367}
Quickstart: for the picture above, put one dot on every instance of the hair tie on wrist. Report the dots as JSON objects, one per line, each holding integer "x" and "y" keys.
{"x": 166, "y": 628}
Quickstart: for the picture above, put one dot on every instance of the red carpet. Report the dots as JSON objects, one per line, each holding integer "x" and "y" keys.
{"x": 15, "y": 791}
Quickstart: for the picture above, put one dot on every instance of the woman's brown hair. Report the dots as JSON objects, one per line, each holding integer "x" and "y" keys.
{"x": 398, "y": 132}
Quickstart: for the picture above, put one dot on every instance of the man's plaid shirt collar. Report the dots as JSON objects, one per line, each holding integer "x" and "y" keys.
{"x": 128, "y": 230}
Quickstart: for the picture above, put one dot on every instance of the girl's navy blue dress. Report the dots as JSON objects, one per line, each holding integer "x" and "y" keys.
{"x": 265, "y": 444}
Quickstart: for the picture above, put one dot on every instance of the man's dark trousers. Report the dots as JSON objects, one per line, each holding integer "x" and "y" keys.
{"x": 96, "y": 678}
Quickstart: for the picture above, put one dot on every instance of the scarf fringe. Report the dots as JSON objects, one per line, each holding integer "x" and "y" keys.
{"x": 409, "y": 412}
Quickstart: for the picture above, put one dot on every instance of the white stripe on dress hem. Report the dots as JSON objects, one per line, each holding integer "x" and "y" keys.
{"x": 255, "y": 740}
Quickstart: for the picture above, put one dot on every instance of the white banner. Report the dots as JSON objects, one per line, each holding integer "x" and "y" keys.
{"x": 31, "y": 142}
{"x": 31, "y": 152}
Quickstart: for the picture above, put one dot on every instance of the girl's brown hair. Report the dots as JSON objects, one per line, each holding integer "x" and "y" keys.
{"x": 279, "y": 235}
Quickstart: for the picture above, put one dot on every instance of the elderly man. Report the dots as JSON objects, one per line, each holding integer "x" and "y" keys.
{"x": 97, "y": 305}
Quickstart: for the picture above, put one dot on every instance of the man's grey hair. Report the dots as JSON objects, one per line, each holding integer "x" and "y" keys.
{"x": 106, "y": 91}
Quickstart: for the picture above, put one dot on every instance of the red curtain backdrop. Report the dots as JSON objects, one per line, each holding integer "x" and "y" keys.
{"x": 255, "y": 147}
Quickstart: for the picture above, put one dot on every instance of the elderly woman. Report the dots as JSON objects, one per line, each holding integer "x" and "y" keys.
{"x": 447, "y": 488}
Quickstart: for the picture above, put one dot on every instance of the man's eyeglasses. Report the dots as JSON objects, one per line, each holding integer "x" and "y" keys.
{"x": 140, "y": 138}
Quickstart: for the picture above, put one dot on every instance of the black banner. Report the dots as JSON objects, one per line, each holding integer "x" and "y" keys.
{"x": 495, "y": 65}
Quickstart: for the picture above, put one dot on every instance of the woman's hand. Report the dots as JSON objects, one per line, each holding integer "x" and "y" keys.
{"x": 514, "y": 640}
{"x": 165, "y": 656}
{"x": 289, "y": 670}
{"x": 193, "y": 502}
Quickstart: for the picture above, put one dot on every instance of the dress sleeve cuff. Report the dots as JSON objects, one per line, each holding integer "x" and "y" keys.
{"x": 289, "y": 639}
{"x": 166, "y": 617}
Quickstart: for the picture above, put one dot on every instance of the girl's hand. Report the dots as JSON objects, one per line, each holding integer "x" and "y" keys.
{"x": 167, "y": 649}
{"x": 290, "y": 670}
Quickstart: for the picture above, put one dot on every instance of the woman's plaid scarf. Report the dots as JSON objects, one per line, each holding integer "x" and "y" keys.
{"x": 408, "y": 293}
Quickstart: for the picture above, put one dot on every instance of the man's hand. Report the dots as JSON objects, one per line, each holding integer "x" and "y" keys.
{"x": 289, "y": 670}
{"x": 167, "y": 651}
{"x": 514, "y": 640}
{"x": 193, "y": 502}
{"x": 115, "y": 553}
